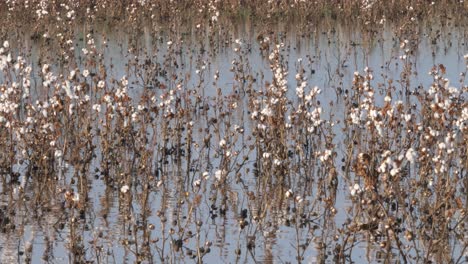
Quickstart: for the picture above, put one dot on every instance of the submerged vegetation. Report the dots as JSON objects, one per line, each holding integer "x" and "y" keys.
{"x": 194, "y": 131}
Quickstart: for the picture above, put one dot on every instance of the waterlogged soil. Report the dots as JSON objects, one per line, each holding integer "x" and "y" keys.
{"x": 241, "y": 146}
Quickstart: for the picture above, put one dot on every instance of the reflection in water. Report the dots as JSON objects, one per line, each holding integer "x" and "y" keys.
{"x": 160, "y": 148}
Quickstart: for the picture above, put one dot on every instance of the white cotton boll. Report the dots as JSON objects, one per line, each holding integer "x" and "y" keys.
{"x": 300, "y": 91}
{"x": 430, "y": 182}
{"x": 254, "y": 115}
{"x": 97, "y": 108}
{"x": 68, "y": 90}
{"x": 159, "y": 183}
{"x": 407, "y": 117}
{"x": 76, "y": 197}
{"x": 72, "y": 75}
{"x": 443, "y": 168}
{"x": 70, "y": 109}
{"x": 197, "y": 183}
{"x": 410, "y": 155}
{"x": 134, "y": 116}
{"x": 354, "y": 118}
{"x": 433, "y": 132}
{"x": 389, "y": 161}
{"x": 299, "y": 199}
{"x": 379, "y": 130}
{"x": 390, "y": 112}
{"x": 355, "y": 189}
{"x": 400, "y": 157}
{"x": 219, "y": 174}
{"x": 222, "y": 143}
{"x": 101, "y": 84}
{"x": 271, "y": 56}
{"x": 326, "y": 155}
{"x": 267, "y": 111}
{"x": 124, "y": 189}
{"x": 382, "y": 168}
{"x": 58, "y": 153}
{"x": 277, "y": 162}
{"x": 394, "y": 171}
{"x": 45, "y": 69}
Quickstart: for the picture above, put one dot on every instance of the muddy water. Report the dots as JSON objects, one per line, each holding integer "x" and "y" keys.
{"x": 199, "y": 200}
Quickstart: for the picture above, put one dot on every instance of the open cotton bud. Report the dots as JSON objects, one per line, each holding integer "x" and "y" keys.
{"x": 219, "y": 174}
{"x": 76, "y": 197}
{"x": 159, "y": 183}
{"x": 124, "y": 189}
{"x": 222, "y": 143}
{"x": 197, "y": 183}
{"x": 299, "y": 199}
{"x": 410, "y": 155}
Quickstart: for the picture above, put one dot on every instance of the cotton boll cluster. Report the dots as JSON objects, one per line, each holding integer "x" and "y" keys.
{"x": 213, "y": 11}
{"x": 325, "y": 155}
{"x": 355, "y": 190}
{"x": 5, "y": 56}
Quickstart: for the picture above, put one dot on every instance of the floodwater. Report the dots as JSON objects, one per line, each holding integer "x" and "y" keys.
{"x": 207, "y": 184}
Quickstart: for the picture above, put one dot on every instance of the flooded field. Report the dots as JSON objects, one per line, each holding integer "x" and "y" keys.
{"x": 166, "y": 138}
